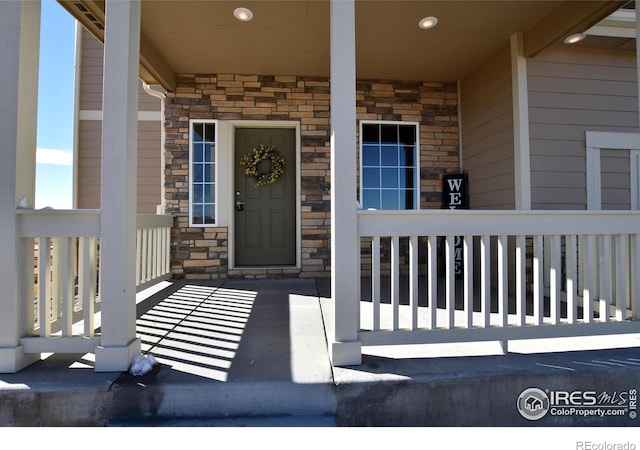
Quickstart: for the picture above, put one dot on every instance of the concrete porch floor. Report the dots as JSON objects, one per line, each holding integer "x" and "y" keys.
{"x": 253, "y": 353}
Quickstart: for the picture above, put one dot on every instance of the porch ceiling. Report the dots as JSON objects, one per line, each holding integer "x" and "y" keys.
{"x": 292, "y": 37}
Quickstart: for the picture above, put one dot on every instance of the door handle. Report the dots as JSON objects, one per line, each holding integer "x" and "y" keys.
{"x": 239, "y": 205}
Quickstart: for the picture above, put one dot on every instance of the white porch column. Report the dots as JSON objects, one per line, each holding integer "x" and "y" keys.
{"x": 119, "y": 165}
{"x": 345, "y": 248}
{"x": 19, "y": 53}
{"x": 520, "y": 94}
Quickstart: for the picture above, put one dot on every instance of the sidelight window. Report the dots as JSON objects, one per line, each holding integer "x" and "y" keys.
{"x": 203, "y": 173}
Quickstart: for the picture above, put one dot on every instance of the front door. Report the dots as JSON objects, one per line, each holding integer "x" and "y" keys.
{"x": 265, "y": 216}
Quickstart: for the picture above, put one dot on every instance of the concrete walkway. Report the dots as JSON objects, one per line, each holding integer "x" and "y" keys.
{"x": 253, "y": 353}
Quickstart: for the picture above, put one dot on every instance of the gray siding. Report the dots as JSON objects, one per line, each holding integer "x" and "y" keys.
{"x": 615, "y": 179}
{"x": 487, "y": 134}
{"x": 149, "y": 162}
{"x": 90, "y": 135}
{"x": 91, "y": 72}
{"x": 573, "y": 90}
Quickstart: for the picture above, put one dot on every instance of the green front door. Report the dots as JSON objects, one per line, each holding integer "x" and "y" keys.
{"x": 265, "y": 216}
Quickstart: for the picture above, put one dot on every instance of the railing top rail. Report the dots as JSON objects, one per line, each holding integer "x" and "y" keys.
{"x": 59, "y": 222}
{"x": 75, "y": 222}
{"x": 154, "y": 221}
{"x": 442, "y": 222}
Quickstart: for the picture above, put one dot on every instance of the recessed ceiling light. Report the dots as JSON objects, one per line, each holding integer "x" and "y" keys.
{"x": 243, "y": 14}
{"x": 574, "y": 38}
{"x": 428, "y": 22}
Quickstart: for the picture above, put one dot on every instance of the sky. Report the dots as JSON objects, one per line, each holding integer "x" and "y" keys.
{"x": 54, "y": 158}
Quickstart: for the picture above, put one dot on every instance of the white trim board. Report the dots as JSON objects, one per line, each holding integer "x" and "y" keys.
{"x": 96, "y": 114}
{"x": 597, "y": 140}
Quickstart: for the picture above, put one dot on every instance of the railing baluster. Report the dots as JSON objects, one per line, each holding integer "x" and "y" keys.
{"x": 67, "y": 293}
{"x": 485, "y": 279}
{"x": 432, "y": 268}
{"x": 86, "y": 282}
{"x": 622, "y": 276}
{"x": 98, "y": 271}
{"x": 555, "y": 281}
{"x": 144, "y": 249}
{"x": 413, "y": 280}
{"x": 166, "y": 248}
{"x": 571, "y": 272}
{"x": 604, "y": 270}
{"x": 468, "y": 280}
{"x": 395, "y": 282}
{"x": 158, "y": 252}
{"x": 503, "y": 281}
{"x": 55, "y": 279}
{"x": 538, "y": 280}
{"x": 581, "y": 267}
{"x": 588, "y": 252}
{"x": 166, "y": 251}
{"x": 152, "y": 253}
{"x": 138, "y": 256}
{"x": 83, "y": 278}
{"x": 375, "y": 281}
{"x": 450, "y": 280}
{"x": 93, "y": 286}
{"x": 521, "y": 279}
{"x": 149, "y": 254}
{"x": 44, "y": 285}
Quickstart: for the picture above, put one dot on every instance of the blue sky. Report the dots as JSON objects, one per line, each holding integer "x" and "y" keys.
{"x": 54, "y": 169}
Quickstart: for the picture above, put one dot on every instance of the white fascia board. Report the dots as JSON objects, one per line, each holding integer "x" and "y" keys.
{"x": 621, "y": 24}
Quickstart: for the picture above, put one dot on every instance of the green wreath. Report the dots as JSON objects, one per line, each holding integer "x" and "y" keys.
{"x": 251, "y": 161}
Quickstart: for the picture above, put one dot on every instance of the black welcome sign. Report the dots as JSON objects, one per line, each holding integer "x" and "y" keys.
{"x": 455, "y": 195}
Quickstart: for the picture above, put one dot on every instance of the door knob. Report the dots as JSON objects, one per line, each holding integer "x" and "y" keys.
{"x": 239, "y": 205}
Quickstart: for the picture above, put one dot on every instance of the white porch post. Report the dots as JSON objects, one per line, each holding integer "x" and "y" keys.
{"x": 345, "y": 348}
{"x": 119, "y": 165}
{"x": 520, "y": 94}
{"x": 19, "y": 53}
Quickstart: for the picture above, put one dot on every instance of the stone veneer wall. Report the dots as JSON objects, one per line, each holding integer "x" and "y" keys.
{"x": 201, "y": 253}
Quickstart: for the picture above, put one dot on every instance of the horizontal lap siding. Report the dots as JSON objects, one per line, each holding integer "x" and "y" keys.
{"x": 487, "y": 134}
{"x": 615, "y": 179}
{"x": 89, "y": 144}
{"x": 149, "y": 162}
{"x": 91, "y": 70}
{"x": 149, "y": 166}
{"x": 573, "y": 90}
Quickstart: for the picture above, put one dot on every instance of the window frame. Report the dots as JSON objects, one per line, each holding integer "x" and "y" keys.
{"x": 417, "y": 186}
{"x": 216, "y": 181}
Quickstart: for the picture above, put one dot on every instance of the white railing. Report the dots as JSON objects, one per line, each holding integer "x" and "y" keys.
{"x": 65, "y": 248}
{"x": 153, "y": 243}
{"x": 528, "y": 274}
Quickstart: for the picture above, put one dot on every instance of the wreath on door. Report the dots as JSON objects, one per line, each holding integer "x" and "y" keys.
{"x": 254, "y": 167}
